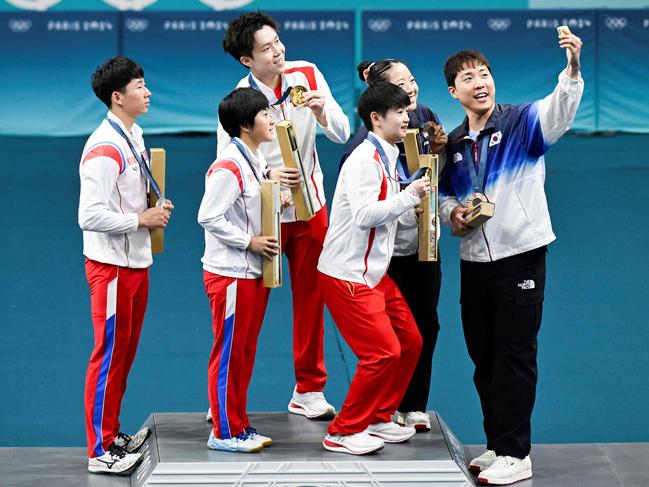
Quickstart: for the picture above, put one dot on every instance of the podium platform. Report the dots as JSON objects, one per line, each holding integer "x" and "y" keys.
{"x": 176, "y": 454}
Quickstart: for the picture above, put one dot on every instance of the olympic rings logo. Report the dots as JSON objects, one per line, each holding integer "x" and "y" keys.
{"x": 499, "y": 24}
{"x": 136, "y": 24}
{"x": 379, "y": 25}
{"x": 20, "y": 26}
{"x": 130, "y": 4}
{"x": 615, "y": 23}
{"x": 39, "y": 5}
{"x": 225, "y": 4}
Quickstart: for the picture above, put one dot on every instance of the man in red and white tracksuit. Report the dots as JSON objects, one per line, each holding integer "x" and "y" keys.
{"x": 365, "y": 303}
{"x": 115, "y": 219}
{"x": 253, "y": 40}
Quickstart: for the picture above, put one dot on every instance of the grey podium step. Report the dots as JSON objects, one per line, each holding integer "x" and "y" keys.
{"x": 176, "y": 454}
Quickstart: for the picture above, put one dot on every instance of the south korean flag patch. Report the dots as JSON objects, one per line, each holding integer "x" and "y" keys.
{"x": 495, "y": 138}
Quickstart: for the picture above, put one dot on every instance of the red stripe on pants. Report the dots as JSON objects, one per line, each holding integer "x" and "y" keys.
{"x": 380, "y": 330}
{"x": 250, "y": 306}
{"x": 132, "y": 294}
{"x": 302, "y": 244}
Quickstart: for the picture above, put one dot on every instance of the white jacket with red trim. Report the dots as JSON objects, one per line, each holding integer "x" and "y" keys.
{"x": 113, "y": 192}
{"x": 365, "y": 211}
{"x": 230, "y": 213}
{"x": 337, "y": 129}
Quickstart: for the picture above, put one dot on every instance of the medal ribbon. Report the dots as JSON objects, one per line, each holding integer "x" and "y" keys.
{"x": 143, "y": 165}
{"x": 478, "y": 173}
{"x": 280, "y": 100}
{"x": 401, "y": 175}
{"x": 244, "y": 153}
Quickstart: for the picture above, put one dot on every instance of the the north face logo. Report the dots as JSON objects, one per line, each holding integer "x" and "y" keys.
{"x": 527, "y": 284}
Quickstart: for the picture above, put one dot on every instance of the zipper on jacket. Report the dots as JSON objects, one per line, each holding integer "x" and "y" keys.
{"x": 476, "y": 166}
{"x": 127, "y": 249}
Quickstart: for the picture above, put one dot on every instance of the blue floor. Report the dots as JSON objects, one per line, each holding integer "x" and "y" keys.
{"x": 593, "y": 359}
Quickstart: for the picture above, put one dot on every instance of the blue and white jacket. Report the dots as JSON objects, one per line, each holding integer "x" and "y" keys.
{"x": 512, "y": 145}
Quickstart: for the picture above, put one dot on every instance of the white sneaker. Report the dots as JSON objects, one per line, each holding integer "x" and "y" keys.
{"x": 356, "y": 444}
{"x": 313, "y": 405}
{"x": 391, "y": 432}
{"x": 115, "y": 461}
{"x": 417, "y": 419}
{"x": 264, "y": 440}
{"x": 132, "y": 443}
{"x": 483, "y": 462}
{"x": 208, "y": 416}
{"x": 507, "y": 470}
{"x": 240, "y": 443}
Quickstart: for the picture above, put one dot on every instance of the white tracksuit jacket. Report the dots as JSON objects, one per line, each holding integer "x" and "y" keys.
{"x": 366, "y": 208}
{"x": 113, "y": 192}
{"x": 230, "y": 213}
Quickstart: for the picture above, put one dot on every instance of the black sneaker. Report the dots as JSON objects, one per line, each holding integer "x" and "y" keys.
{"x": 115, "y": 461}
{"x": 132, "y": 443}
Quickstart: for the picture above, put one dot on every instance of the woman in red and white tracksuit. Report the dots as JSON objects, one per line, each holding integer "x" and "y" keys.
{"x": 230, "y": 213}
{"x": 365, "y": 303}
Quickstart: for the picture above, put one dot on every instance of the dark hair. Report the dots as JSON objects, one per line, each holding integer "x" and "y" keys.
{"x": 459, "y": 60}
{"x": 114, "y": 75}
{"x": 239, "y": 38}
{"x": 239, "y": 108}
{"x": 381, "y": 97}
{"x": 376, "y": 71}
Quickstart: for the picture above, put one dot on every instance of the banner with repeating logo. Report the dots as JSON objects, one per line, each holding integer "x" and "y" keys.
{"x": 521, "y": 46}
{"x": 48, "y": 58}
{"x": 47, "y": 61}
{"x": 51, "y": 56}
{"x": 189, "y": 73}
{"x": 623, "y": 70}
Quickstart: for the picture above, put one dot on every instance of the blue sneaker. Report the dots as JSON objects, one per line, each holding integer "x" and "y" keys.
{"x": 243, "y": 442}
{"x": 264, "y": 440}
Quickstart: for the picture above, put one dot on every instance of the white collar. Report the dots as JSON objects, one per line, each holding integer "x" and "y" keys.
{"x": 268, "y": 91}
{"x": 253, "y": 156}
{"x": 136, "y": 131}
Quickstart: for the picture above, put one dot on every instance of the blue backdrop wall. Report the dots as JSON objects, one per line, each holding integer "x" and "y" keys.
{"x": 48, "y": 57}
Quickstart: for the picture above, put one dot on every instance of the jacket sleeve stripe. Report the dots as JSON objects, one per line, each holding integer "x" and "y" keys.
{"x": 230, "y": 166}
{"x": 105, "y": 150}
{"x": 307, "y": 71}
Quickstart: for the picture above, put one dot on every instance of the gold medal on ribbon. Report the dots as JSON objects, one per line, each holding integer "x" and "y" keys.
{"x": 297, "y": 95}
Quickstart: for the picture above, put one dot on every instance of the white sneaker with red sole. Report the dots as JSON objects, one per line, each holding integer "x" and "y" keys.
{"x": 483, "y": 462}
{"x": 391, "y": 432}
{"x": 417, "y": 419}
{"x": 354, "y": 444}
{"x": 312, "y": 405}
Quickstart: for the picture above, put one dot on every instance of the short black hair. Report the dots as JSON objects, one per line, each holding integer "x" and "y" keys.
{"x": 376, "y": 71}
{"x": 239, "y": 109}
{"x": 114, "y": 75}
{"x": 381, "y": 97}
{"x": 459, "y": 60}
{"x": 239, "y": 38}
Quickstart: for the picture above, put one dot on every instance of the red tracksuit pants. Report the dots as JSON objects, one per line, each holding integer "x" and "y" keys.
{"x": 238, "y": 307}
{"x": 118, "y": 297}
{"x": 379, "y": 328}
{"x": 302, "y": 244}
